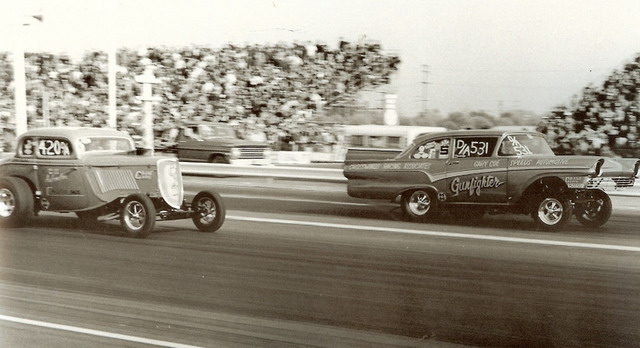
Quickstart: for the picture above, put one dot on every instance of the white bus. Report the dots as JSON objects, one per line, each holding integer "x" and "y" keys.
{"x": 378, "y": 141}
{"x": 384, "y": 137}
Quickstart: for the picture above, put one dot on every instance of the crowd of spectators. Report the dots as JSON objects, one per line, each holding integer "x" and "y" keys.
{"x": 602, "y": 121}
{"x": 270, "y": 91}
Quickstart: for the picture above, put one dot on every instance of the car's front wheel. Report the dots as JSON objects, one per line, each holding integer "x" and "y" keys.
{"x": 552, "y": 213}
{"x": 595, "y": 211}
{"x": 418, "y": 205}
{"x": 16, "y": 202}
{"x": 208, "y": 211}
{"x": 138, "y": 216}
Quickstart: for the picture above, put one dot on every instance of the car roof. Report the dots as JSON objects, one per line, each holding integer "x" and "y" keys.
{"x": 473, "y": 132}
{"x": 73, "y": 133}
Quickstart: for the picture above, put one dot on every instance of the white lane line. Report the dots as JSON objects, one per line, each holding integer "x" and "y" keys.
{"x": 443, "y": 234}
{"x": 95, "y": 332}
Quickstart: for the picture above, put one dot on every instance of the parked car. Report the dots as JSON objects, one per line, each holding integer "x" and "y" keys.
{"x": 470, "y": 173}
{"x": 95, "y": 172}
{"x": 213, "y": 143}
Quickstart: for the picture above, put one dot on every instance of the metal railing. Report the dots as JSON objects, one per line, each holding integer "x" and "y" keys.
{"x": 294, "y": 173}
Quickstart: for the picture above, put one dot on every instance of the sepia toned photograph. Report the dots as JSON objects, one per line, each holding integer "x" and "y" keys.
{"x": 291, "y": 173}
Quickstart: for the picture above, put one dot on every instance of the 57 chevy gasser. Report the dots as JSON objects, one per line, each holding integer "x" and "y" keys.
{"x": 95, "y": 172}
{"x": 488, "y": 171}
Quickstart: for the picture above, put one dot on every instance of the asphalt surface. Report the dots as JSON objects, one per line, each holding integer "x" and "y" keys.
{"x": 300, "y": 264}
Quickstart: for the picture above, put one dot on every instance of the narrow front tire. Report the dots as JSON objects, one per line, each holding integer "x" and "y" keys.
{"x": 208, "y": 211}
{"x": 595, "y": 211}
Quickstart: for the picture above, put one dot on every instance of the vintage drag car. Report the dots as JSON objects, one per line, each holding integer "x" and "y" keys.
{"x": 96, "y": 173}
{"x": 471, "y": 173}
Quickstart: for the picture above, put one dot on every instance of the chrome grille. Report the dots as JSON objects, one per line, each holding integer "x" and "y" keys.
{"x": 604, "y": 182}
{"x": 623, "y": 182}
{"x": 252, "y": 152}
{"x": 116, "y": 179}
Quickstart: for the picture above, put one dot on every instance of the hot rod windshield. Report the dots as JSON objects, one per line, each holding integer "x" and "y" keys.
{"x": 105, "y": 144}
{"x": 524, "y": 145}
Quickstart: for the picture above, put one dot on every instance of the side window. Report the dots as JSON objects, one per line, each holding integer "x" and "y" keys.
{"x": 433, "y": 149}
{"x": 28, "y": 148}
{"x": 474, "y": 147}
{"x": 511, "y": 146}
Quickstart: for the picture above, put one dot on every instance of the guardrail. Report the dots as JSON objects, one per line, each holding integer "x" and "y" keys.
{"x": 310, "y": 174}
{"x": 295, "y": 173}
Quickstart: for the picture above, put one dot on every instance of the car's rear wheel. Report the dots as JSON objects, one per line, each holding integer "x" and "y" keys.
{"x": 208, "y": 211}
{"x": 595, "y": 211}
{"x": 418, "y": 205}
{"x": 16, "y": 202}
{"x": 552, "y": 213}
{"x": 138, "y": 215}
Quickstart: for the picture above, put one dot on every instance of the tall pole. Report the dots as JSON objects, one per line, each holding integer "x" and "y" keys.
{"x": 112, "y": 121}
{"x": 113, "y": 116}
{"x": 147, "y": 79}
{"x": 425, "y": 83}
{"x": 19, "y": 80}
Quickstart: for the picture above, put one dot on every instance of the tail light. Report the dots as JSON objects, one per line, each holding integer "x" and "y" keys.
{"x": 170, "y": 182}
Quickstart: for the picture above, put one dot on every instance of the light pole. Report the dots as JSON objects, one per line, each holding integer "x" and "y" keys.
{"x": 19, "y": 78}
{"x": 148, "y": 79}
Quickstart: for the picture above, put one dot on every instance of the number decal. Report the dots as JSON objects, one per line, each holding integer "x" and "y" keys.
{"x": 53, "y": 148}
{"x": 478, "y": 147}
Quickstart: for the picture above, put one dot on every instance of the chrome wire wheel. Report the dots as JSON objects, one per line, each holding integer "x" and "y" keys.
{"x": 134, "y": 215}
{"x": 206, "y": 210}
{"x": 419, "y": 203}
{"x": 7, "y": 202}
{"x": 550, "y": 211}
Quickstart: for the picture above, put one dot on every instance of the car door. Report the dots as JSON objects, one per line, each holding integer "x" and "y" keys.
{"x": 427, "y": 163}
{"x": 60, "y": 175}
{"x": 474, "y": 174}
{"x": 190, "y": 146}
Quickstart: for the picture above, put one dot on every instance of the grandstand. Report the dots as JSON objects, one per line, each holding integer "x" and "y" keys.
{"x": 270, "y": 89}
{"x": 603, "y": 120}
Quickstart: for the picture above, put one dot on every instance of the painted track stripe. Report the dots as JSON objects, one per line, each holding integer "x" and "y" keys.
{"x": 95, "y": 332}
{"x": 444, "y": 234}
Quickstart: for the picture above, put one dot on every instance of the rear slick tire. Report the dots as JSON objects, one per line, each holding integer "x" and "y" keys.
{"x": 16, "y": 202}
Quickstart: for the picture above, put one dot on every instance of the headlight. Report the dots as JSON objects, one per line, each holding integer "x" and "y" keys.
{"x": 267, "y": 153}
{"x": 636, "y": 168}
{"x": 235, "y": 153}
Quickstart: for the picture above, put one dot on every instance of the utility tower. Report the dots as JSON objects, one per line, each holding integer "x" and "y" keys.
{"x": 425, "y": 84}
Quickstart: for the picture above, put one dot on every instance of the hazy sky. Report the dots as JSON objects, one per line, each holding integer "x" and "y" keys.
{"x": 481, "y": 55}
